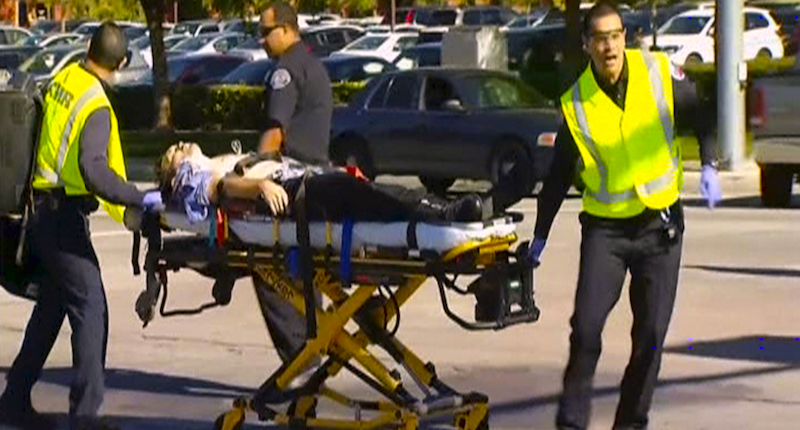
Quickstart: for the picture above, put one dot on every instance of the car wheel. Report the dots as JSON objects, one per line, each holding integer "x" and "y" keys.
{"x": 693, "y": 59}
{"x": 510, "y": 162}
{"x": 776, "y": 186}
{"x": 437, "y": 186}
{"x": 764, "y": 54}
{"x": 352, "y": 152}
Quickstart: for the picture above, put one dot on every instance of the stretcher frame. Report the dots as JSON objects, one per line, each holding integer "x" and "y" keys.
{"x": 359, "y": 300}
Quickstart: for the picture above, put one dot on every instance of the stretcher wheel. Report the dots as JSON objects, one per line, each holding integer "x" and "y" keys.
{"x": 232, "y": 420}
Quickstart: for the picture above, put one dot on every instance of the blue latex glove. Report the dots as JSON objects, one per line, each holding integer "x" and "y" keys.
{"x": 152, "y": 202}
{"x": 535, "y": 251}
{"x": 709, "y": 186}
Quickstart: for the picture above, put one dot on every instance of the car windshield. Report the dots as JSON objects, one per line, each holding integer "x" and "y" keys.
{"x": 500, "y": 92}
{"x": 525, "y": 21}
{"x": 252, "y": 44}
{"x": 44, "y": 62}
{"x": 87, "y": 29}
{"x": 172, "y": 41}
{"x": 185, "y": 28}
{"x": 192, "y": 44}
{"x": 367, "y": 43}
{"x": 32, "y": 41}
{"x": 685, "y": 25}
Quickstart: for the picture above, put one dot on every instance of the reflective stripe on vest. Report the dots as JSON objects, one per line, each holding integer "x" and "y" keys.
{"x": 55, "y": 177}
{"x": 660, "y": 184}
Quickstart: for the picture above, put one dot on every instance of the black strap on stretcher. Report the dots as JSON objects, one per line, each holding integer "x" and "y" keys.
{"x": 253, "y": 159}
{"x": 306, "y": 262}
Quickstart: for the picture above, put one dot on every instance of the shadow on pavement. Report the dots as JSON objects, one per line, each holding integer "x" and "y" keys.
{"x": 754, "y": 271}
{"x": 136, "y": 380}
{"x": 765, "y": 349}
{"x": 552, "y": 399}
{"x": 747, "y": 202}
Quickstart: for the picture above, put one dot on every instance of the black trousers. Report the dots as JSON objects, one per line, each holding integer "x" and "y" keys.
{"x": 337, "y": 196}
{"x": 70, "y": 285}
{"x": 609, "y": 249}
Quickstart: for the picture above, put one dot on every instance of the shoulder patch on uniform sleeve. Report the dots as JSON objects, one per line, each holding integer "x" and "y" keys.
{"x": 280, "y": 79}
{"x": 676, "y": 72}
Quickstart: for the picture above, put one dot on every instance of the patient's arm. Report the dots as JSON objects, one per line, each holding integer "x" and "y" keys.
{"x": 248, "y": 188}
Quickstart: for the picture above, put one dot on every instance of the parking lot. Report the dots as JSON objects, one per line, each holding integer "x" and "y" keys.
{"x": 733, "y": 358}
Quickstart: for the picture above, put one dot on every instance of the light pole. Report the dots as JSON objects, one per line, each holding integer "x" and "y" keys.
{"x": 731, "y": 80}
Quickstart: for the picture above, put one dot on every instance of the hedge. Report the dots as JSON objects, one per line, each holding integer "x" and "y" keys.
{"x": 217, "y": 107}
{"x": 552, "y": 82}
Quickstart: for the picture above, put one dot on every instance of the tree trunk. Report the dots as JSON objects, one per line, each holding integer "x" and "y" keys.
{"x": 155, "y": 11}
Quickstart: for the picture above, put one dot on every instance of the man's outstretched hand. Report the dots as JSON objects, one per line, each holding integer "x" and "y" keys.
{"x": 709, "y": 186}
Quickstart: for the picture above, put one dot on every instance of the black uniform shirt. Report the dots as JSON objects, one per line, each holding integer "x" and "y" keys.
{"x": 300, "y": 101}
{"x": 690, "y": 114}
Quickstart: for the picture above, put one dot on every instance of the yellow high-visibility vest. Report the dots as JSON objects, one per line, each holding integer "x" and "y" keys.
{"x": 630, "y": 160}
{"x": 72, "y": 96}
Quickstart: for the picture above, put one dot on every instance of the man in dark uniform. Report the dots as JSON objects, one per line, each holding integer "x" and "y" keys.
{"x": 79, "y": 161}
{"x": 620, "y": 121}
{"x": 300, "y": 99}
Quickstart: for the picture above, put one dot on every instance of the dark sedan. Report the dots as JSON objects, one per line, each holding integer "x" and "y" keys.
{"x": 444, "y": 124}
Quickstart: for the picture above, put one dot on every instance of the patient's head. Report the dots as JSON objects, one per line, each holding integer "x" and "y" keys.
{"x": 172, "y": 159}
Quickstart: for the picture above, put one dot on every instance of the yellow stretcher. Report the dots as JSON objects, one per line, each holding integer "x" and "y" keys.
{"x": 380, "y": 282}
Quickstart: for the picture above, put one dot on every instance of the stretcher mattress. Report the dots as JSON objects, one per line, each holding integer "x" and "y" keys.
{"x": 260, "y": 230}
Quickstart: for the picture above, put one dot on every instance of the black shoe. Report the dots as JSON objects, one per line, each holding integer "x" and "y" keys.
{"x": 94, "y": 423}
{"x": 466, "y": 209}
{"x": 26, "y": 418}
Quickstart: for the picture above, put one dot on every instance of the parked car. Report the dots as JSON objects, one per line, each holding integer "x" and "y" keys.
{"x": 251, "y": 49}
{"x": 46, "y": 26}
{"x": 322, "y": 41}
{"x": 776, "y": 134}
{"x": 442, "y": 124}
{"x": 87, "y": 29}
{"x": 421, "y": 55}
{"x": 144, "y": 45}
{"x": 251, "y": 73}
{"x": 51, "y": 40}
{"x": 536, "y": 17}
{"x": 788, "y": 18}
{"x": 488, "y": 15}
{"x": 195, "y": 28}
{"x": 207, "y": 44}
{"x": 355, "y": 69}
{"x": 202, "y": 69}
{"x": 12, "y": 57}
{"x": 425, "y": 16}
{"x": 45, "y": 64}
{"x": 689, "y": 36}
{"x": 387, "y": 46}
{"x": 13, "y": 35}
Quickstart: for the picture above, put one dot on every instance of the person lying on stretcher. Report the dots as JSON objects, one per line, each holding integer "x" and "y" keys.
{"x": 194, "y": 181}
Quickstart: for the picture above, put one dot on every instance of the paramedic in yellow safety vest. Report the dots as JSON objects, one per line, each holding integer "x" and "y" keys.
{"x": 79, "y": 163}
{"x": 620, "y": 122}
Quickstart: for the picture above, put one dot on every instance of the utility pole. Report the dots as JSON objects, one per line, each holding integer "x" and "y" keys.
{"x": 731, "y": 80}
{"x": 392, "y": 12}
